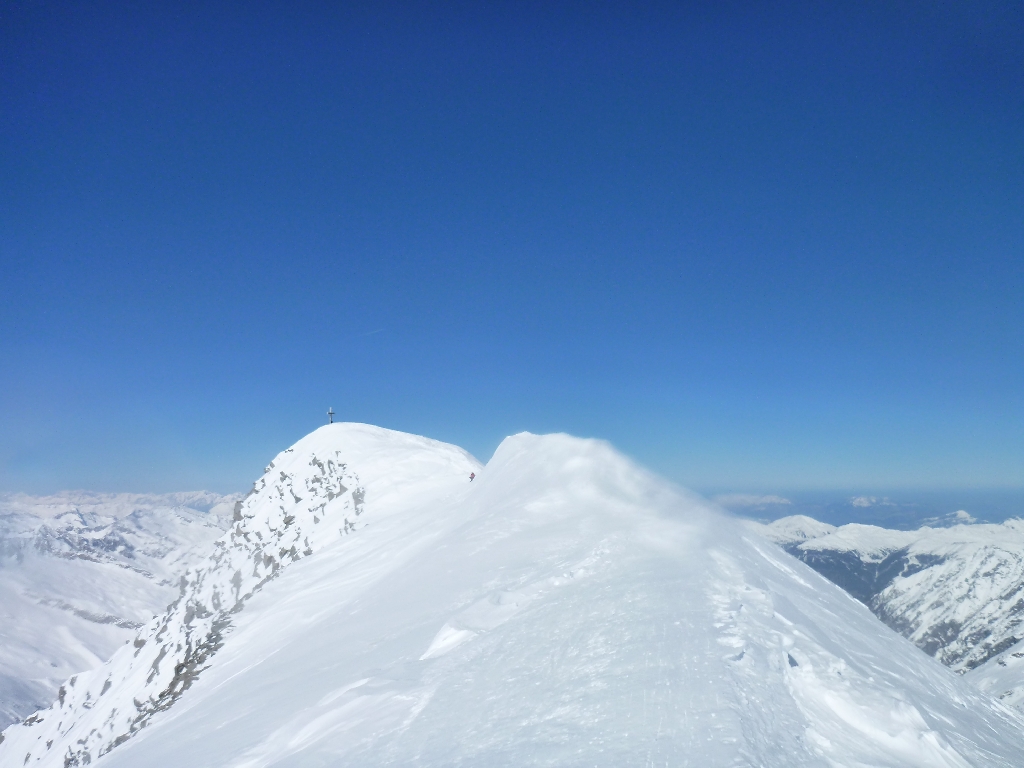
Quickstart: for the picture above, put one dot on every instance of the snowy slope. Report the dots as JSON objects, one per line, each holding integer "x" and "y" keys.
{"x": 957, "y": 593}
{"x": 566, "y": 608}
{"x": 80, "y": 572}
{"x": 1003, "y": 676}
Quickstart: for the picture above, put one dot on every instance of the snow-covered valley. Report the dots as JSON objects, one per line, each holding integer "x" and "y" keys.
{"x": 957, "y": 593}
{"x": 370, "y": 605}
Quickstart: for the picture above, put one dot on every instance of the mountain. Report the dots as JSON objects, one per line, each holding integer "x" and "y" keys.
{"x": 371, "y": 605}
{"x": 957, "y": 593}
{"x": 904, "y": 510}
{"x": 81, "y": 572}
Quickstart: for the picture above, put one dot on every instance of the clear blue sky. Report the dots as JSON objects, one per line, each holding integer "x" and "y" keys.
{"x": 754, "y": 245}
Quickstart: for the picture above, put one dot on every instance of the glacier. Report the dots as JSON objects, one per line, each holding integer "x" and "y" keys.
{"x": 370, "y": 605}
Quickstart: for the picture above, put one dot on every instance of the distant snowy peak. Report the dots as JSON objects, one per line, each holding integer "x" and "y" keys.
{"x": 869, "y": 541}
{"x": 308, "y": 497}
{"x": 795, "y": 529}
{"x": 129, "y": 530}
{"x": 112, "y": 505}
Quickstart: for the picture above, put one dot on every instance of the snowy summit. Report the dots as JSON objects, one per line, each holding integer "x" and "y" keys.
{"x": 372, "y": 606}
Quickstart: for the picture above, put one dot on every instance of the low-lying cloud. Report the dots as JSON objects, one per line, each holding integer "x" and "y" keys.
{"x": 871, "y": 501}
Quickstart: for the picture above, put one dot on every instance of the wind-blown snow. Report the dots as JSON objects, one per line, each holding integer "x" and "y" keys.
{"x": 565, "y": 608}
{"x": 80, "y": 572}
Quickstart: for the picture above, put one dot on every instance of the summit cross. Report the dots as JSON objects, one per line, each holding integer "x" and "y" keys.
{"x": 330, "y": 415}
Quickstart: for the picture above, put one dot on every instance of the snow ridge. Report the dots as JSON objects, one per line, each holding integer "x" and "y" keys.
{"x": 564, "y": 608}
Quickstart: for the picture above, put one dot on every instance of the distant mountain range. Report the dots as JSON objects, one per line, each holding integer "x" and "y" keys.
{"x": 80, "y": 572}
{"x": 897, "y": 509}
{"x": 955, "y": 592}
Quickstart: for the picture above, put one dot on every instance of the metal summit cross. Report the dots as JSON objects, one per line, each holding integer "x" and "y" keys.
{"x": 330, "y": 415}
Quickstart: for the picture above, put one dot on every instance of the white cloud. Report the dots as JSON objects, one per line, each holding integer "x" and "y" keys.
{"x": 734, "y": 500}
{"x": 964, "y": 516}
{"x": 871, "y": 501}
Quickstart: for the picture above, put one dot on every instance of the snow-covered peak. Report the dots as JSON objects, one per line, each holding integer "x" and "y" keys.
{"x": 875, "y": 542}
{"x": 794, "y": 529}
{"x": 110, "y": 505}
{"x": 869, "y": 541}
{"x": 310, "y": 495}
{"x": 387, "y": 459}
{"x": 566, "y": 607}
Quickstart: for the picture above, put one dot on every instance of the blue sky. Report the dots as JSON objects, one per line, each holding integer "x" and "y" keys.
{"x": 755, "y": 248}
